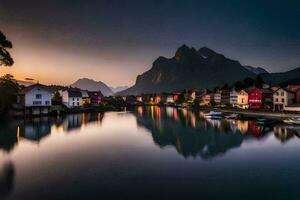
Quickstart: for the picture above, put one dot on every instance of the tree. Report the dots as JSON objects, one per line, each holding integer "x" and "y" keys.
{"x": 216, "y": 89}
{"x": 5, "y": 58}
{"x": 57, "y": 98}
{"x": 248, "y": 82}
{"x": 238, "y": 85}
{"x": 181, "y": 98}
{"x": 225, "y": 87}
{"x": 258, "y": 82}
{"x": 8, "y": 92}
{"x": 197, "y": 102}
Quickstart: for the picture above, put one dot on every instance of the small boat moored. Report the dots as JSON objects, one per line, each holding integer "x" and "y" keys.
{"x": 232, "y": 116}
{"x": 293, "y": 120}
{"x": 213, "y": 115}
{"x": 265, "y": 121}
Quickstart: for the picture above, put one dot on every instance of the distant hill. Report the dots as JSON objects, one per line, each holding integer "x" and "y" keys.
{"x": 289, "y": 77}
{"x": 118, "y": 88}
{"x": 25, "y": 83}
{"x": 91, "y": 85}
{"x": 189, "y": 68}
{"x": 256, "y": 70}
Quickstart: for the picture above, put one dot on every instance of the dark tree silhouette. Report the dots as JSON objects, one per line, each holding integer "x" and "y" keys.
{"x": 259, "y": 81}
{"x": 8, "y": 93}
{"x": 5, "y": 58}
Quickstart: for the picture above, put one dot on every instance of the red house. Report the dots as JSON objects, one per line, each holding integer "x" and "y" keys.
{"x": 260, "y": 99}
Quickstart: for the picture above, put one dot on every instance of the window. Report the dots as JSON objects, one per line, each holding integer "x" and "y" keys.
{"x": 73, "y": 103}
{"x": 47, "y": 102}
{"x": 77, "y": 103}
{"x": 276, "y": 100}
{"x": 282, "y": 93}
{"x": 282, "y": 100}
{"x": 77, "y": 99}
{"x": 37, "y": 103}
{"x": 277, "y": 93}
{"x": 73, "y": 99}
{"x": 38, "y": 96}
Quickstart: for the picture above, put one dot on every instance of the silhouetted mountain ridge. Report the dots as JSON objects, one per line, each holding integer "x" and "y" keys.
{"x": 189, "y": 68}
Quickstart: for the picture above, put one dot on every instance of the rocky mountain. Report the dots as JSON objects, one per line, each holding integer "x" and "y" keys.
{"x": 256, "y": 70}
{"x": 92, "y": 85}
{"x": 118, "y": 88}
{"x": 189, "y": 68}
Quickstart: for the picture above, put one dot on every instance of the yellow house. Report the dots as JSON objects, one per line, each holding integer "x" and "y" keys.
{"x": 242, "y": 99}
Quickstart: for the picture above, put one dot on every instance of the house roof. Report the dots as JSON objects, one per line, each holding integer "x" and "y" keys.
{"x": 74, "y": 92}
{"x": 37, "y": 85}
{"x": 263, "y": 90}
{"x": 94, "y": 94}
{"x": 285, "y": 89}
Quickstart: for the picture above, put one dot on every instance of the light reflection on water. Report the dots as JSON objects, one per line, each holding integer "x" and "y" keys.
{"x": 134, "y": 154}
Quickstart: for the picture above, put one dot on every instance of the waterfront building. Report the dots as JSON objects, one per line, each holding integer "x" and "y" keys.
{"x": 71, "y": 97}
{"x": 233, "y": 98}
{"x": 95, "y": 97}
{"x": 85, "y": 97}
{"x": 281, "y": 98}
{"x": 207, "y": 100}
{"x": 242, "y": 99}
{"x": 296, "y": 90}
{"x": 170, "y": 99}
{"x": 36, "y": 99}
{"x": 139, "y": 99}
{"x": 260, "y": 98}
{"x": 191, "y": 95}
{"x": 217, "y": 97}
{"x": 157, "y": 99}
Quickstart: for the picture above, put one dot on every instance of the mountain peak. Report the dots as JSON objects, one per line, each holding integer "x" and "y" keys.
{"x": 184, "y": 51}
{"x": 92, "y": 85}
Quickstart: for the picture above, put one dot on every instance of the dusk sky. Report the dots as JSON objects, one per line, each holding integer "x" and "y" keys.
{"x": 57, "y": 42}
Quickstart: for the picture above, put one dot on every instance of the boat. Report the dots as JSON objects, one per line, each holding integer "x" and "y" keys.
{"x": 293, "y": 120}
{"x": 265, "y": 121}
{"x": 213, "y": 115}
{"x": 232, "y": 116}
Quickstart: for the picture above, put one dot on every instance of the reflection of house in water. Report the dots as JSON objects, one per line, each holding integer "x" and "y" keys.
{"x": 189, "y": 141}
{"x": 76, "y": 121}
{"x": 72, "y": 122}
{"x": 285, "y": 132}
{"x": 35, "y": 129}
{"x": 242, "y": 126}
{"x": 258, "y": 131}
{"x": 7, "y": 177}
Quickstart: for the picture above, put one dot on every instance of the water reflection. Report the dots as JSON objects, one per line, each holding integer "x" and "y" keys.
{"x": 192, "y": 135}
{"x": 7, "y": 177}
{"x": 36, "y": 129}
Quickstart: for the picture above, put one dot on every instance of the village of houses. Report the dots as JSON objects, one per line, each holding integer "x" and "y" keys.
{"x": 38, "y": 100}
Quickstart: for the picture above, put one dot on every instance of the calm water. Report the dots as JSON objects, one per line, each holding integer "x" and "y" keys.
{"x": 149, "y": 153}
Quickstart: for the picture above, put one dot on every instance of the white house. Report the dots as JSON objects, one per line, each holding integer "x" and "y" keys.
{"x": 71, "y": 97}
{"x": 281, "y": 98}
{"x": 217, "y": 97}
{"x": 233, "y": 98}
{"x": 36, "y": 99}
